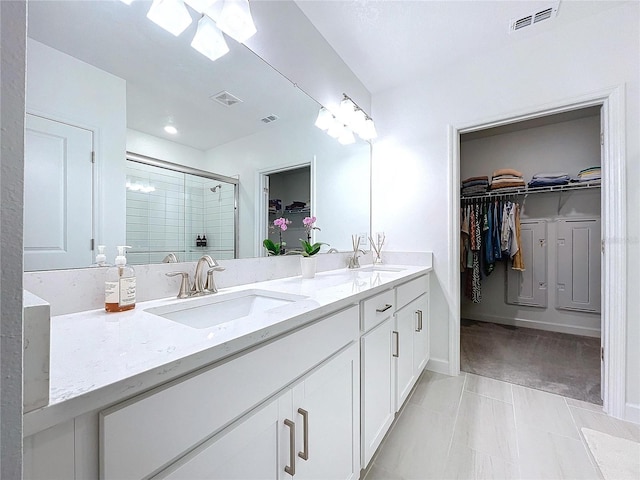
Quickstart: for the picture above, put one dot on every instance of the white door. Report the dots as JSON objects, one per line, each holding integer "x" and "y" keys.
{"x": 253, "y": 449}
{"x": 378, "y": 404}
{"x": 58, "y": 203}
{"x": 326, "y": 404}
{"x": 420, "y": 308}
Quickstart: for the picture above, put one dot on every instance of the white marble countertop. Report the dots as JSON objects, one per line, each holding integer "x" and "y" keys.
{"x": 100, "y": 358}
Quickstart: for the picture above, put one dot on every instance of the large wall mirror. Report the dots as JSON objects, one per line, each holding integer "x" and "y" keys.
{"x": 103, "y": 80}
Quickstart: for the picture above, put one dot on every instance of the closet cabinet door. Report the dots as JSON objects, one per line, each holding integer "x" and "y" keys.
{"x": 578, "y": 261}
{"x": 530, "y": 286}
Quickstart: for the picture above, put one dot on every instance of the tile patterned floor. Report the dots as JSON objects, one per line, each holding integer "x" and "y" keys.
{"x": 472, "y": 427}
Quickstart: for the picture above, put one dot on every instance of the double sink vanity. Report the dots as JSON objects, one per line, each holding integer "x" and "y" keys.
{"x": 275, "y": 379}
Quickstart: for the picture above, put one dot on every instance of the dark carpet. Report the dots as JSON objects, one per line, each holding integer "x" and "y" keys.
{"x": 560, "y": 363}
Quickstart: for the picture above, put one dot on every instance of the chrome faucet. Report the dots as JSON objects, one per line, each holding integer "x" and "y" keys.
{"x": 199, "y": 287}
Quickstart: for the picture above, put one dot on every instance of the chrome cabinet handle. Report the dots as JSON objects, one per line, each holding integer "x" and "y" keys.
{"x": 291, "y": 468}
{"x": 304, "y": 454}
{"x": 419, "y": 318}
{"x": 397, "y": 352}
{"x": 384, "y": 309}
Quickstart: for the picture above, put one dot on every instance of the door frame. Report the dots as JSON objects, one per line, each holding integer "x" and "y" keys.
{"x": 262, "y": 198}
{"x": 613, "y": 234}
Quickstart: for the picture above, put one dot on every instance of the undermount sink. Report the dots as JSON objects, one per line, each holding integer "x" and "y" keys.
{"x": 215, "y": 309}
{"x": 380, "y": 268}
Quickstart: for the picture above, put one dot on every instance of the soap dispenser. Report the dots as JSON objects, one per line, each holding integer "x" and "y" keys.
{"x": 101, "y": 258}
{"x": 120, "y": 285}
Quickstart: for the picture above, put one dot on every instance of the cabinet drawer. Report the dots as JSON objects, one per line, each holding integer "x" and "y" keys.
{"x": 411, "y": 290}
{"x": 376, "y": 309}
{"x": 144, "y": 434}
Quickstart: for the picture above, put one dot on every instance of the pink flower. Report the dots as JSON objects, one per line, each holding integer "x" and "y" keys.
{"x": 282, "y": 223}
{"x": 308, "y": 221}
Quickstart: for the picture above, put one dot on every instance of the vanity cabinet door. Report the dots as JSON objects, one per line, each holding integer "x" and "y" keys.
{"x": 403, "y": 351}
{"x": 254, "y": 448}
{"x": 326, "y": 411}
{"x": 378, "y": 386}
{"x": 421, "y": 334}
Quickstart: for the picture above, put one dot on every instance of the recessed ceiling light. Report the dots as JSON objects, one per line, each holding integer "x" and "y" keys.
{"x": 171, "y": 129}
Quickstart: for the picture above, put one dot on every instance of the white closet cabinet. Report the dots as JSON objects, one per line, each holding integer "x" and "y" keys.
{"x": 307, "y": 432}
{"x": 578, "y": 264}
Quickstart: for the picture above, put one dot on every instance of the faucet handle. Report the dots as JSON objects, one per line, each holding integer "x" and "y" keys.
{"x": 210, "y": 285}
{"x": 184, "y": 284}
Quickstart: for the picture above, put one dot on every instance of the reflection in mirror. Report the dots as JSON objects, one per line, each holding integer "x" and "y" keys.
{"x": 103, "y": 68}
{"x": 179, "y": 211}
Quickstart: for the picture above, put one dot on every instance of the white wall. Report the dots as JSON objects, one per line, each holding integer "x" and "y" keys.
{"x": 411, "y": 155}
{"x": 340, "y": 194}
{"x": 156, "y": 147}
{"x": 63, "y": 88}
{"x": 13, "y": 21}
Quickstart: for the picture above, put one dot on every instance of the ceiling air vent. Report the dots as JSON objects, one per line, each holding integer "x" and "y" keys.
{"x": 269, "y": 119}
{"x": 534, "y": 18}
{"x": 225, "y": 98}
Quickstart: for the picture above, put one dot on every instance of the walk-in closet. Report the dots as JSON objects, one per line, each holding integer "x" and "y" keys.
{"x": 530, "y": 260}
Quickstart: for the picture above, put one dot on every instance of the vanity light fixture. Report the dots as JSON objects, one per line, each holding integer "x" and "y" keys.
{"x": 126, "y": 2}
{"x": 172, "y": 15}
{"x": 208, "y": 40}
{"x": 349, "y": 119}
{"x": 236, "y": 21}
{"x": 200, "y": 6}
{"x": 171, "y": 129}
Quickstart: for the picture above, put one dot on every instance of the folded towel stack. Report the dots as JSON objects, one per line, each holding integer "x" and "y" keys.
{"x": 590, "y": 174}
{"x": 506, "y": 178}
{"x": 545, "y": 179}
{"x": 474, "y": 186}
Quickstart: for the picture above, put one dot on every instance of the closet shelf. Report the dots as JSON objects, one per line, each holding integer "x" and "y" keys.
{"x": 295, "y": 211}
{"x": 505, "y": 192}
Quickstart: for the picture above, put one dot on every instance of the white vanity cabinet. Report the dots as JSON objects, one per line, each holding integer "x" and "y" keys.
{"x": 394, "y": 350}
{"x": 307, "y": 432}
{"x": 147, "y": 434}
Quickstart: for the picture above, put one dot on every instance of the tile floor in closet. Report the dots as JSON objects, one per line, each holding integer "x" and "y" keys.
{"x": 473, "y": 427}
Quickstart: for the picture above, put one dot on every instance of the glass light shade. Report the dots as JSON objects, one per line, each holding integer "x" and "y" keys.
{"x": 235, "y": 20}
{"x": 347, "y": 110}
{"x": 346, "y": 137}
{"x": 336, "y": 129}
{"x": 208, "y": 40}
{"x": 127, "y": 2}
{"x": 172, "y": 15}
{"x": 325, "y": 119}
{"x": 368, "y": 131}
{"x": 200, "y": 6}
{"x": 358, "y": 121}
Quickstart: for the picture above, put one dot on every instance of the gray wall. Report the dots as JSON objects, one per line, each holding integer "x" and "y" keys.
{"x": 13, "y": 24}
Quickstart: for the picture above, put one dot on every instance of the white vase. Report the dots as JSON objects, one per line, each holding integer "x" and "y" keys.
{"x": 308, "y": 266}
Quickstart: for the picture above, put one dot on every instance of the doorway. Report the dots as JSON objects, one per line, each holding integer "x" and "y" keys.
{"x": 613, "y": 277}
{"x": 287, "y": 194}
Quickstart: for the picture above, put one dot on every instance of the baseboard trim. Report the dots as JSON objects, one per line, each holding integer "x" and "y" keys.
{"x": 632, "y": 413}
{"x": 548, "y": 326}
{"x": 438, "y": 365}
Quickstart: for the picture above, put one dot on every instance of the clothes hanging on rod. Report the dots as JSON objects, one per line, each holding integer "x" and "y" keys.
{"x": 489, "y": 232}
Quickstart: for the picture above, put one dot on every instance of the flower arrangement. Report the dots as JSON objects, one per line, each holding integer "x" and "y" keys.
{"x": 309, "y": 249}
{"x": 277, "y": 248}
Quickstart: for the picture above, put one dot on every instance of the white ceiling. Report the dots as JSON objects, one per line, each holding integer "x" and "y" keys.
{"x": 387, "y": 42}
{"x": 167, "y": 80}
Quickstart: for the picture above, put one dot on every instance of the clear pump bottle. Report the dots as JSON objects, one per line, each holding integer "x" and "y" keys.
{"x": 101, "y": 258}
{"x": 120, "y": 285}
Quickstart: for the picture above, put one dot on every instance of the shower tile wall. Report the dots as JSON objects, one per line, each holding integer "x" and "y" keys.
{"x": 166, "y": 213}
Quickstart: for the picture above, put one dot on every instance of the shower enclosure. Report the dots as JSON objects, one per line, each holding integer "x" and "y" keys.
{"x": 181, "y": 210}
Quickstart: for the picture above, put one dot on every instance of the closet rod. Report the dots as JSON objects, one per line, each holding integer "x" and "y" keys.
{"x": 503, "y": 192}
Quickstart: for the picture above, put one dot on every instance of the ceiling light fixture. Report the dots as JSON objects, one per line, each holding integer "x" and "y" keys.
{"x": 171, "y": 129}
{"x": 349, "y": 119}
{"x": 126, "y": 2}
{"x": 236, "y": 21}
{"x": 208, "y": 40}
{"x": 172, "y": 15}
